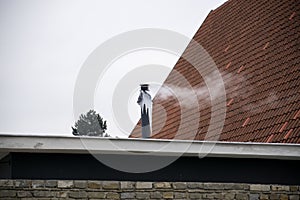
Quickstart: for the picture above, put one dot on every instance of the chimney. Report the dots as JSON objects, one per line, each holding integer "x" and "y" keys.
{"x": 145, "y": 103}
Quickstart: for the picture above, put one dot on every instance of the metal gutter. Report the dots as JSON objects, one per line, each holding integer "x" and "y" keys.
{"x": 131, "y": 146}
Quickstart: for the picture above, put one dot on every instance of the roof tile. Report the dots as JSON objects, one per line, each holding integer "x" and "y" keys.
{"x": 292, "y": 15}
{"x": 265, "y": 96}
{"x": 288, "y": 134}
{"x": 297, "y": 115}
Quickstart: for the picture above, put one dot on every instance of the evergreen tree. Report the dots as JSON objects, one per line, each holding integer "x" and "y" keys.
{"x": 90, "y": 124}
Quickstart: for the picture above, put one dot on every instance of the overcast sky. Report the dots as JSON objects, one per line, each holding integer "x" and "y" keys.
{"x": 43, "y": 45}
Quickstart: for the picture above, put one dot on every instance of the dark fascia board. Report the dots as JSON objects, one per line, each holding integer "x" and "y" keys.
{"x": 159, "y": 147}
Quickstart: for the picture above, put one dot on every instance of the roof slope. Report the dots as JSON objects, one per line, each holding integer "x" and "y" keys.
{"x": 256, "y": 47}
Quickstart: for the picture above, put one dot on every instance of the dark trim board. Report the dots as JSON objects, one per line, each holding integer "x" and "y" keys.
{"x": 209, "y": 169}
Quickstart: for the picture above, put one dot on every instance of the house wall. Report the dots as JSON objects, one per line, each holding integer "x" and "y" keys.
{"x": 75, "y": 189}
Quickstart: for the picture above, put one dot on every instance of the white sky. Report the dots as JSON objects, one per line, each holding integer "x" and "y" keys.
{"x": 43, "y": 44}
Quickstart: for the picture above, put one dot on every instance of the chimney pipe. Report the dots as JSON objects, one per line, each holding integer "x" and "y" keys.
{"x": 145, "y": 103}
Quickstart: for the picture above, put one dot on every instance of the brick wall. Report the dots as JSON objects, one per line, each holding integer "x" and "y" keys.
{"x": 53, "y": 189}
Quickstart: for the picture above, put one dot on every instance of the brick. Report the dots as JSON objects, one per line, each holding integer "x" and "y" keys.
{"x": 127, "y": 185}
{"x": 218, "y": 196}
{"x": 254, "y": 197}
{"x": 96, "y": 195}
{"x": 274, "y": 196}
{"x": 284, "y": 197}
{"x": 179, "y": 185}
{"x": 180, "y": 195}
{"x": 259, "y": 187}
{"x": 127, "y": 195}
{"x": 234, "y": 186}
{"x": 24, "y": 194}
{"x": 294, "y": 197}
{"x": 264, "y": 197}
{"x": 94, "y": 184}
{"x": 156, "y": 195}
{"x": 143, "y": 185}
{"x": 241, "y": 196}
{"x": 23, "y": 184}
{"x": 208, "y": 196}
{"x": 214, "y": 196}
{"x": 278, "y": 192}
{"x": 110, "y": 185}
{"x": 195, "y": 196}
{"x": 62, "y": 194}
{"x": 38, "y": 184}
{"x": 78, "y": 194}
{"x": 80, "y": 184}
{"x": 195, "y": 185}
{"x": 65, "y": 184}
{"x": 84, "y": 199}
{"x": 32, "y": 198}
{"x": 280, "y": 188}
{"x": 7, "y": 193}
{"x": 293, "y": 188}
{"x": 168, "y": 195}
{"x": 142, "y": 195}
{"x": 6, "y": 183}
{"x": 89, "y": 199}
{"x": 112, "y": 195}
{"x": 51, "y": 183}
{"x": 44, "y": 193}
{"x": 213, "y": 186}
{"x": 14, "y": 198}
{"x": 246, "y": 186}
{"x": 229, "y": 196}
{"x": 162, "y": 185}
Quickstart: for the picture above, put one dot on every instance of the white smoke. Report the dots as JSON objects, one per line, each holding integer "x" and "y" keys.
{"x": 185, "y": 96}
{"x": 271, "y": 101}
{"x": 188, "y": 96}
{"x": 237, "y": 87}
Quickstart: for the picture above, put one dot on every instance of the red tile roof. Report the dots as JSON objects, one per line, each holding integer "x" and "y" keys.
{"x": 255, "y": 45}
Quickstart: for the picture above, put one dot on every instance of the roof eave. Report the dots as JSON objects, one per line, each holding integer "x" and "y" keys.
{"x": 159, "y": 147}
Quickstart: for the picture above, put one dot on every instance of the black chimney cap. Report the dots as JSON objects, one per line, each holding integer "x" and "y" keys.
{"x": 145, "y": 87}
